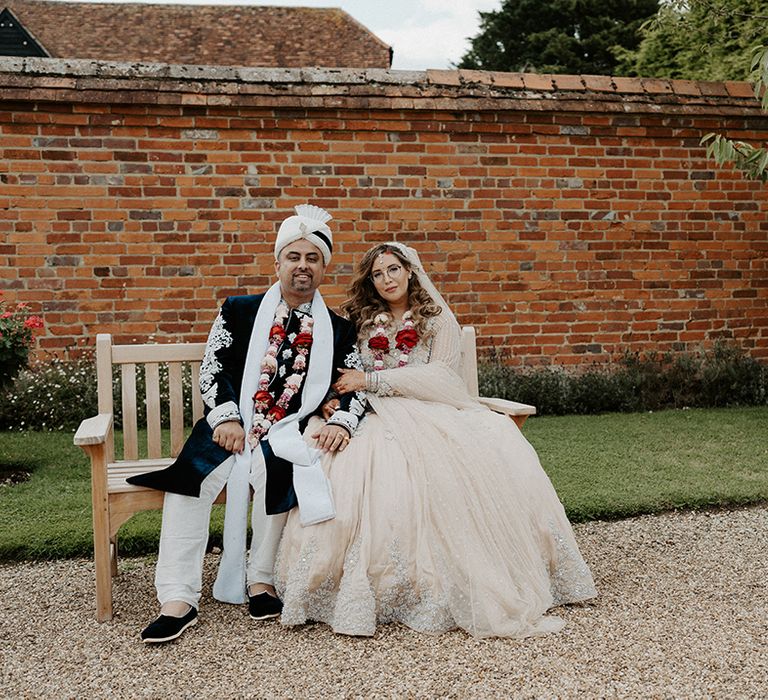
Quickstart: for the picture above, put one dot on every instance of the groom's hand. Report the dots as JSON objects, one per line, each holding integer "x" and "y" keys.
{"x": 332, "y": 438}
{"x": 230, "y": 435}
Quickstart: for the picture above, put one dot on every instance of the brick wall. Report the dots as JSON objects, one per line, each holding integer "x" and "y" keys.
{"x": 567, "y": 217}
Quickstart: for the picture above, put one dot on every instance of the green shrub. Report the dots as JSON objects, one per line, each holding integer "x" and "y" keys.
{"x": 722, "y": 376}
{"x": 53, "y": 395}
{"x": 58, "y": 394}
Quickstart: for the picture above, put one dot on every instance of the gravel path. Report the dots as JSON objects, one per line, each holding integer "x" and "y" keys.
{"x": 682, "y": 612}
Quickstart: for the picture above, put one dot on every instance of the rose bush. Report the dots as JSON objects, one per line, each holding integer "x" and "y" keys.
{"x": 16, "y": 335}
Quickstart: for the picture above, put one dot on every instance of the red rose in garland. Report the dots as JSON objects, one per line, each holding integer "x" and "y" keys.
{"x": 302, "y": 340}
{"x": 262, "y": 400}
{"x": 276, "y": 413}
{"x": 277, "y": 334}
{"x": 406, "y": 339}
{"x": 379, "y": 342}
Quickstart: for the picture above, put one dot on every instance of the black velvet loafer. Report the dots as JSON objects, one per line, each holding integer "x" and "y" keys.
{"x": 166, "y": 628}
{"x": 264, "y": 606}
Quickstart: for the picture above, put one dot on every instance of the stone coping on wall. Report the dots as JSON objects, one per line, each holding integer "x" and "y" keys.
{"x": 47, "y": 79}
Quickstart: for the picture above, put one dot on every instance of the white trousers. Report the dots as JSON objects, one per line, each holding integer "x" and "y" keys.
{"x": 185, "y": 529}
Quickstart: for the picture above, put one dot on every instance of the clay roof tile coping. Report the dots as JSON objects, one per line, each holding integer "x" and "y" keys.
{"x": 234, "y": 35}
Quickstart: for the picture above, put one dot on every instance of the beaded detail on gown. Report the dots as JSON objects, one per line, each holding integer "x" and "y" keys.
{"x": 445, "y": 517}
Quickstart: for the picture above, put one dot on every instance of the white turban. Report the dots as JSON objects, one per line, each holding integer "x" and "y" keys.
{"x": 308, "y": 223}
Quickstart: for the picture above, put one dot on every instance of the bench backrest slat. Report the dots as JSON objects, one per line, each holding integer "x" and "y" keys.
{"x": 197, "y": 399}
{"x": 130, "y": 428}
{"x": 469, "y": 359}
{"x": 152, "y": 380}
{"x": 176, "y": 402}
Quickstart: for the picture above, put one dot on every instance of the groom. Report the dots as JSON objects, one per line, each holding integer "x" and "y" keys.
{"x": 269, "y": 362}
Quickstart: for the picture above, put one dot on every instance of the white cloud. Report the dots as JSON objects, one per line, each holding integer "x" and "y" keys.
{"x": 434, "y": 34}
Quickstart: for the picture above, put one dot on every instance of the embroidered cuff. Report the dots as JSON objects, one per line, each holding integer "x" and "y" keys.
{"x": 221, "y": 414}
{"x": 345, "y": 419}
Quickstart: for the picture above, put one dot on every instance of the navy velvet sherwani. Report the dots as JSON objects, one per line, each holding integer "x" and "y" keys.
{"x": 221, "y": 377}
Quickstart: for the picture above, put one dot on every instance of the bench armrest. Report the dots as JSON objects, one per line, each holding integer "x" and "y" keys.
{"x": 94, "y": 431}
{"x": 509, "y": 408}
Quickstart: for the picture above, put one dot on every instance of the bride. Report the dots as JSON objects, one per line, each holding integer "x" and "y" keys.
{"x": 445, "y": 518}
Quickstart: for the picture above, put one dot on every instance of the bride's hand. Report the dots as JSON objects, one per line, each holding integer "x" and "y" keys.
{"x": 329, "y": 408}
{"x": 350, "y": 380}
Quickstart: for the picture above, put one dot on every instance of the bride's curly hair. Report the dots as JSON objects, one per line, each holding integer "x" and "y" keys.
{"x": 364, "y": 301}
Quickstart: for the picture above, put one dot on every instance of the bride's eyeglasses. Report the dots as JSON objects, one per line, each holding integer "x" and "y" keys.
{"x": 393, "y": 272}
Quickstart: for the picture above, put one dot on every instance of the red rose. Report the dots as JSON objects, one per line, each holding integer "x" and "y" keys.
{"x": 262, "y": 400}
{"x": 277, "y": 332}
{"x": 379, "y": 342}
{"x": 303, "y": 340}
{"x": 34, "y": 322}
{"x": 406, "y": 339}
{"x": 263, "y": 397}
{"x": 276, "y": 413}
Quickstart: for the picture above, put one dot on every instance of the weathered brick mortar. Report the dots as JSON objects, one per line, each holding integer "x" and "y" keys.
{"x": 568, "y": 217}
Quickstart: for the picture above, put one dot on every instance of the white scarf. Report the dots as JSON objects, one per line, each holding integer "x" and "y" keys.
{"x": 313, "y": 490}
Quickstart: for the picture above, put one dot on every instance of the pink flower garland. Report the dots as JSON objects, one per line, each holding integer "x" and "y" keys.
{"x": 266, "y": 410}
{"x": 405, "y": 340}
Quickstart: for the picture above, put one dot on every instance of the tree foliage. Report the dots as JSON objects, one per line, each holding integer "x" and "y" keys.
{"x": 698, "y": 40}
{"x": 752, "y": 160}
{"x": 558, "y": 36}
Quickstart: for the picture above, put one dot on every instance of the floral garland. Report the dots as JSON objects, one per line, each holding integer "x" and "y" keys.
{"x": 266, "y": 409}
{"x": 405, "y": 340}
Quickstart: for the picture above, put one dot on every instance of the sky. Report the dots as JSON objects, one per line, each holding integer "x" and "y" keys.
{"x": 423, "y": 33}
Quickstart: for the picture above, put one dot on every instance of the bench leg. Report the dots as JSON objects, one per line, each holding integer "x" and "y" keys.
{"x": 103, "y": 577}
{"x": 101, "y": 548}
{"x": 519, "y": 420}
{"x": 113, "y": 557}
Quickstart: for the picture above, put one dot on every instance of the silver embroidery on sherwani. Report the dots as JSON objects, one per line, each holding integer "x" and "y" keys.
{"x": 218, "y": 338}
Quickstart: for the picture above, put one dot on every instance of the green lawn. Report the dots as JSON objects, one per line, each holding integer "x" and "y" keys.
{"x": 608, "y": 466}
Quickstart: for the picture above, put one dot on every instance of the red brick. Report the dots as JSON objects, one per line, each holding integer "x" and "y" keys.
{"x": 656, "y": 85}
{"x": 508, "y": 80}
{"x": 443, "y": 77}
{"x": 739, "y": 89}
{"x": 628, "y": 85}
{"x": 534, "y": 81}
{"x": 685, "y": 87}
{"x": 598, "y": 83}
{"x": 568, "y": 82}
{"x": 475, "y": 76}
{"x": 715, "y": 89}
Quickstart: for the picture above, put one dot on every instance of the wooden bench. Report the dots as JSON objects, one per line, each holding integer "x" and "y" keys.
{"x": 115, "y": 501}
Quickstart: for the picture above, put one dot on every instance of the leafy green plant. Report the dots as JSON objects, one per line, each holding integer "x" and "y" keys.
{"x": 752, "y": 160}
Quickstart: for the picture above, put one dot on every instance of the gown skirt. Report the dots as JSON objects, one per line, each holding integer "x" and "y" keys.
{"x": 445, "y": 519}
